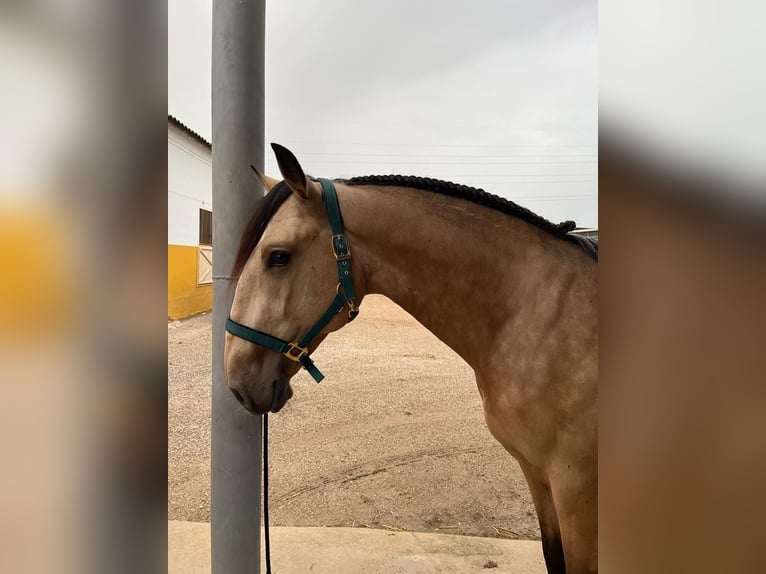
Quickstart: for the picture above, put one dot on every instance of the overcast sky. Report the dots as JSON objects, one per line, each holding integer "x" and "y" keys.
{"x": 500, "y": 95}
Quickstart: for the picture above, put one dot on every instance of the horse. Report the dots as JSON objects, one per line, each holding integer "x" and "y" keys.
{"x": 513, "y": 294}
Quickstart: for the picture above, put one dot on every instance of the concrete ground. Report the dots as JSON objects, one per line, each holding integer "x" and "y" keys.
{"x": 363, "y": 551}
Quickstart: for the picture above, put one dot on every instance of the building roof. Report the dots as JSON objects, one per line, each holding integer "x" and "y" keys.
{"x": 173, "y": 121}
{"x": 585, "y": 231}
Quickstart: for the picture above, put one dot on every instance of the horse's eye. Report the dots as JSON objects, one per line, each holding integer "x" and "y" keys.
{"x": 279, "y": 258}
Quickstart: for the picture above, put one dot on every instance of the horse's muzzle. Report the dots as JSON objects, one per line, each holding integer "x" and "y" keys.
{"x": 280, "y": 394}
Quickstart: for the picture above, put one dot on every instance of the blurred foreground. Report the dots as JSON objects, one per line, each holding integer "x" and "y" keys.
{"x": 82, "y": 301}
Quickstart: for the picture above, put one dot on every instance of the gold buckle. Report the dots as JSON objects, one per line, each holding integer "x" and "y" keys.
{"x": 345, "y": 257}
{"x": 302, "y": 352}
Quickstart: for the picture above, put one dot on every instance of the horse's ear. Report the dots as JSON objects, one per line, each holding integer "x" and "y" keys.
{"x": 293, "y": 173}
{"x": 267, "y": 182}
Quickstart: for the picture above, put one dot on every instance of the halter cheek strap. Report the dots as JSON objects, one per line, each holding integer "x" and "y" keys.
{"x": 345, "y": 296}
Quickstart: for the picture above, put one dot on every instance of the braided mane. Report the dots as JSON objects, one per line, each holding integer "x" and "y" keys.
{"x": 472, "y": 194}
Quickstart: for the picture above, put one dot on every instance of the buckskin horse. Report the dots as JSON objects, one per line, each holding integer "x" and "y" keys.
{"x": 512, "y": 293}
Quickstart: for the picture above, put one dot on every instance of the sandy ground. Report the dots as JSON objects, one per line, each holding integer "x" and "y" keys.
{"x": 393, "y": 438}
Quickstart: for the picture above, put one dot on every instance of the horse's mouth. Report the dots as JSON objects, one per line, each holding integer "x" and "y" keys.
{"x": 281, "y": 393}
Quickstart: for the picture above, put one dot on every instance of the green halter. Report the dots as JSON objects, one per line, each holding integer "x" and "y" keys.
{"x": 298, "y": 352}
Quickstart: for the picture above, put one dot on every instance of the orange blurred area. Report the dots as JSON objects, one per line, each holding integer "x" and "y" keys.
{"x": 38, "y": 293}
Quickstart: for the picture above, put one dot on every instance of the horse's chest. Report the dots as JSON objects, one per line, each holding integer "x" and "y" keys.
{"x": 520, "y": 414}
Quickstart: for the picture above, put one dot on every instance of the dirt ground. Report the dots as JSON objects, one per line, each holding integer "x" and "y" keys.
{"x": 393, "y": 438}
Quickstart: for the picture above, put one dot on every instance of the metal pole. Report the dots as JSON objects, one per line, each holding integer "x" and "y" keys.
{"x": 238, "y": 134}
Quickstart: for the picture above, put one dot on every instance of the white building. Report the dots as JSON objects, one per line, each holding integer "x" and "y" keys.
{"x": 190, "y": 221}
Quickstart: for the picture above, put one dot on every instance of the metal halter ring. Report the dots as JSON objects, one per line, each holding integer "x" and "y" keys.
{"x": 353, "y": 310}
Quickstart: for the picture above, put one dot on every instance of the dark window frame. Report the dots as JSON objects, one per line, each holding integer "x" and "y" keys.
{"x": 205, "y": 227}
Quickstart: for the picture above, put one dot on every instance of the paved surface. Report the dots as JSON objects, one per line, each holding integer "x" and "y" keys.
{"x": 363, "y": 551}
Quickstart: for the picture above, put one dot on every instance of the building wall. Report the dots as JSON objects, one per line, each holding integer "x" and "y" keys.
{"x": 190, "y": 188}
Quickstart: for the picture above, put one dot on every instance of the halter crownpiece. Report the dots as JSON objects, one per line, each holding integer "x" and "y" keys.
{"x": 344, "y": 296}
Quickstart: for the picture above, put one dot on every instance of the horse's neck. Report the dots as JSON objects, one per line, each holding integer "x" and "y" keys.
{"x": 445, "y": 261}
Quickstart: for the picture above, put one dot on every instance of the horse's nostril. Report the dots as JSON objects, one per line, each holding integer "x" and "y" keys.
{"x": 238, "y": 396}
{"x": 245, "y": 401}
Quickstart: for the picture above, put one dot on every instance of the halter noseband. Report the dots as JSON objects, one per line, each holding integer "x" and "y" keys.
{"x": 298, "y": 351}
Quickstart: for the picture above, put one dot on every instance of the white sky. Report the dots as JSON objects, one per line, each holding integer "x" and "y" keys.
{"x": 504, "y": 97}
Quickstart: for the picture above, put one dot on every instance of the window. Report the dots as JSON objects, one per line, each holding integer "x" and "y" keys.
{"x": 205, "y": 227}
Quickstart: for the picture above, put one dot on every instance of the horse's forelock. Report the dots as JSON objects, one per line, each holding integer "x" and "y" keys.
{"x": 264, "y": 211}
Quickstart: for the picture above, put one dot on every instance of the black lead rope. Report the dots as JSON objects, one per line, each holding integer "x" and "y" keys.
{"x": 266, "y": 491}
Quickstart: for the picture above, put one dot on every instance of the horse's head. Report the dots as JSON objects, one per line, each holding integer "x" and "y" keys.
{"x": 287, "y": 277}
